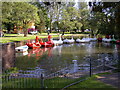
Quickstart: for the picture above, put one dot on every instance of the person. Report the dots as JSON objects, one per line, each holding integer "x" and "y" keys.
{"x": 1, "y": 33}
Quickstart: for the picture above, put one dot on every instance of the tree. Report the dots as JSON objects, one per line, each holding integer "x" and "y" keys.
{"x": 20, "y": 13}
{"x": 112, "y": 13}
{"x": 84, "y": 13}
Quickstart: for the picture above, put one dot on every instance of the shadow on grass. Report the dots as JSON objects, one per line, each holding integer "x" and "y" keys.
{"x": 10, "y": 36}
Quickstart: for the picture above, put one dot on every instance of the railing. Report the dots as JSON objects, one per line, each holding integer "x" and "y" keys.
{"x": 59, "y": 79}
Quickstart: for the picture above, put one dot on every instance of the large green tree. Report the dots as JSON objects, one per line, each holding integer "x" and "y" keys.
{"x": 19, "y": 13}
{"x": 111, "y": 11}
{"x": 84, "y": 14}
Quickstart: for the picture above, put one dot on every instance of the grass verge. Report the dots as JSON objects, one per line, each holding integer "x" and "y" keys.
{"x": 15, "y": 37}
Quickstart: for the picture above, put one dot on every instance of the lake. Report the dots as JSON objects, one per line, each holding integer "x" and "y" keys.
{"x": 50, "y": 60}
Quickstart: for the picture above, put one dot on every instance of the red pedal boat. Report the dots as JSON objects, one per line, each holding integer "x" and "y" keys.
{"x": 99, "y": 39}
{"x": 34, "y": 45}
{"x": 118, "y": 41}
{"x": 49, "y": 43}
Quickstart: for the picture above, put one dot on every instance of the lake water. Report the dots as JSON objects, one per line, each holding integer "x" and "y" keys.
{"x": 50, "y": 60}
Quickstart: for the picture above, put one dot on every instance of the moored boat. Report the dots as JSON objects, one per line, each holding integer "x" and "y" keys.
{"x": 83, "y": 40}
{"x": 34, "y": 45}
{"x": 118, "y": 41}
{"x": 106, "y": 40}
{"x": 68, "y": 41}
{"x": 113, "y": 40}
{"x": 58, "y": 42}
{"x": 99, "y": 39}
{"x": 93, "y": 39}
{"x": 49, "y": 43}
{"x": 21, "y": 48}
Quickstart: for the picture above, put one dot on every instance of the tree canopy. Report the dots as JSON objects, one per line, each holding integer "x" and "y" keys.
{"x": 100, "y": 17}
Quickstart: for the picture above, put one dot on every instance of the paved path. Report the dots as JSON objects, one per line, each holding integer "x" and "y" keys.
{"x": 112, "y": 79}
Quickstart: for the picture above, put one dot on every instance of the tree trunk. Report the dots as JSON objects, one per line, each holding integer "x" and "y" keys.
{"x": 25, "y": 33}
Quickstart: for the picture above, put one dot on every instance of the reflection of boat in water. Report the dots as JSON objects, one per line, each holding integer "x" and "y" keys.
{"x": 106, "y": 44}
{"x": 21, "y": 48}
{"x": 22, "y": 54}
{"x": 37, "y": 52}
{"x": 67, "y": 45}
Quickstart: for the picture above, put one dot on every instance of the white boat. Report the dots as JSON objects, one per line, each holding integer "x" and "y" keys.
{"x": 93, "y": 39}
{"x": 58, "y": 42}
{"x": 68, "y": 41}
{"x": 106, "y": 40}
{"x": 34, "y": 32}
{"x": 21, "y": 48}
{"x": 83, "y": 40}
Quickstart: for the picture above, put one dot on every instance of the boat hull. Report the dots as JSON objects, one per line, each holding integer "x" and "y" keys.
{"x": 118, "y": 41}
{"x": 82, "y": 40}
{"x": 33, "y": 45}
{"x": 47, "y": 44}
{"x": 21, "y": 49}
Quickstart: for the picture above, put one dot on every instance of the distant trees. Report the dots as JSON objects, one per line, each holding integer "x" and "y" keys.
{"x": 46, "y": 15}
{"x": 100, "y": 17}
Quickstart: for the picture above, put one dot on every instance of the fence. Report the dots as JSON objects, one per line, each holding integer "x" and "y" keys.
{"x": 60, "y": 79}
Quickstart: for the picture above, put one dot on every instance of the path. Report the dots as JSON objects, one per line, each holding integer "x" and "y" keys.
{"x": 112, "y": 79}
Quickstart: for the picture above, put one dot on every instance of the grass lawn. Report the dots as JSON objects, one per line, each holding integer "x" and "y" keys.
{"x": 15, "y": 37}
{"x": 92, "y": 82}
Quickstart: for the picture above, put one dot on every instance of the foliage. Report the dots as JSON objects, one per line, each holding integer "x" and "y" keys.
{"x": 19, "y": 13}
{"x": 111, "y": 17}
{"x": 11, "y": 70}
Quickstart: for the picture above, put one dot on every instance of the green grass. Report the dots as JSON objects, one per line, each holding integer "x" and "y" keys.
{"x": 21, "y": 83}
{"x": 92, "y": 82}
{"x": 15, "y": 37}
{"x": 57, "y": 82}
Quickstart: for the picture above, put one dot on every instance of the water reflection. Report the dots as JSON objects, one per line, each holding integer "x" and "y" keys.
{"x": 59, "y": 57}
{"x": 37, "y": 53}
{"x": 22, "y": 54}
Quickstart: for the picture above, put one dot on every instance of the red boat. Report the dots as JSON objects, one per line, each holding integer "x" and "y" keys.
{"x": 49, "y": 43}
{"x": 40, "y": 43}
{"x": 118, "y": 41}
{"x": 34, "y": 45}
{"x": 99, "y": 39}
